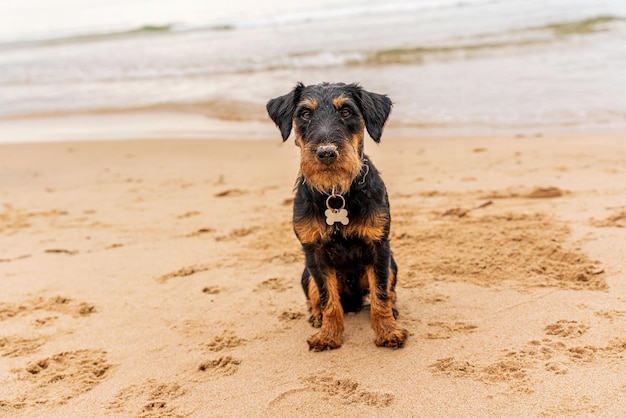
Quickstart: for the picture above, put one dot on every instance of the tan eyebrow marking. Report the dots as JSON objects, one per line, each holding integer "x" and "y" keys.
{"x": 310, "y": 103}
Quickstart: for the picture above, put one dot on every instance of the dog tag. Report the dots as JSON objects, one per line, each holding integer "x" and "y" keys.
{"x": 336, "y": 215}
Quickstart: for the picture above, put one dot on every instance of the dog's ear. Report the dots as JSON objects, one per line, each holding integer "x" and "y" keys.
{"x": 375, "y": 108}
{"x": 281, "y": 109}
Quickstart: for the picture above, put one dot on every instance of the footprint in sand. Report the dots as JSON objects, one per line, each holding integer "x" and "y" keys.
{"x": 576, "y": 406}
{"x": 44, "y": 321}
{"x": 151, "y": 399}
{"x": 291, "y": 315}
{"x": 583, "y": 354}
{"x": 57, "y": 379}
{"x": 58, "y": 304}
{"x": 516, "y": 367}
{"x": 511, "y": 369}
{"x": 617, "y": 220}
{"x": 278, "y": 284}
{"x": 18, "y": 346}
{"x": 225, "y": 340}
{"x": 329, "y": 396}
{"x": 530, "y": 249}
{"x": 505, "y": 370}
{"x": 556, "y": 367}
{"x": 566, "y": 329}
{"x": 610, "y": 314}
{"x": 220, "y": 367}
{"x": 348, "y": 391}
{"x": 21, "y": 345}
{"x": 444, "y": 330}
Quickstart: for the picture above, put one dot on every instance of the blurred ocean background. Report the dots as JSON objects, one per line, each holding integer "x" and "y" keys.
{"x": 467, "y": 65}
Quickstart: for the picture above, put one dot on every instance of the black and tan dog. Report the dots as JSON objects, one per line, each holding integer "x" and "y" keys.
{"x": 341, "y": 211}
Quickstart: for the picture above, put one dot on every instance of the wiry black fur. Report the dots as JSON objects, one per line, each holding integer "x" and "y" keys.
{"x": 347, "y": 255}
{"x": 373, "y": 108}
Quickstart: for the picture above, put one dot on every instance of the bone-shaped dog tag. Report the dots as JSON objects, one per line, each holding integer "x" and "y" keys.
{"x": 336, "y": 215}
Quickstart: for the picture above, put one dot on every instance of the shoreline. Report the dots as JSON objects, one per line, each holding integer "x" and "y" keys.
{"x": 167, "y": 123}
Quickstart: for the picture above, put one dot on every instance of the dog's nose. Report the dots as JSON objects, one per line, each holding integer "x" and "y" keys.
{"x": 326, "y": 153}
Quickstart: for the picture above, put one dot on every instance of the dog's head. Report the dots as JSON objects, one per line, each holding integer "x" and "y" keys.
{"x": 329, "y": 123}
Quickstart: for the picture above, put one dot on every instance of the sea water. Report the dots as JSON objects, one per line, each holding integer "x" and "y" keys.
{"x": 465, "y": 64}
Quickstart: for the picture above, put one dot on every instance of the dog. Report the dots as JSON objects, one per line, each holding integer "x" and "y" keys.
{"x": 341, "y": 208}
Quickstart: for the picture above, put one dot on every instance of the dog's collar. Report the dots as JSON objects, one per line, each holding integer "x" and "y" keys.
{"x": 365, "y": 166}
{"x": 339, "y": 214}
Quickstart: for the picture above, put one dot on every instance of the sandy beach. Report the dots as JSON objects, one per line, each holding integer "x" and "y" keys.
{"x": 160, "y": 278}
{"x": 148, "y": 266}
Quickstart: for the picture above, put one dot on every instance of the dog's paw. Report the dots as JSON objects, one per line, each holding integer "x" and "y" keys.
{"x": 319, "y": 342}
{"x": 393, "y": 339}
{"x": 315, "y": 321}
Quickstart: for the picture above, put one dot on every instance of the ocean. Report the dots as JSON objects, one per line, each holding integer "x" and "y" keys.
{"x": 466, "y": 65}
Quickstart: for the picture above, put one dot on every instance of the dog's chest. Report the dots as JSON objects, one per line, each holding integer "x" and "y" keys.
{"x": 320, "y": 219}
{"x": 348, "y": 253}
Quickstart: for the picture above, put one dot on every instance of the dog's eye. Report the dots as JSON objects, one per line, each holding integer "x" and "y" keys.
{"x": 345, "y": 112}
{"x": 306, "y": 114}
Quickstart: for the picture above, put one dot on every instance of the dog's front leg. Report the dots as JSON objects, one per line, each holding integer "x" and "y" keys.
{"x": 331, "y": 331}
{"x": 388, "y": 333}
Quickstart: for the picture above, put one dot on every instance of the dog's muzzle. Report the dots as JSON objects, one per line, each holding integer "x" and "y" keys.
{"x": 327, "y": 153}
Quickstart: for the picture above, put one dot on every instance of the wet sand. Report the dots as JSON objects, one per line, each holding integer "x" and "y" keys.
{"x": 161, "y": 278}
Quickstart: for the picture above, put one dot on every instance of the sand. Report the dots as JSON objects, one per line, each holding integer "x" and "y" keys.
{"x": 160, "y": 278}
